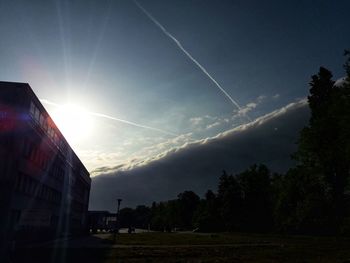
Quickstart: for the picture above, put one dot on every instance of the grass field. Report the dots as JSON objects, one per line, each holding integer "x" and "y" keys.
{"x": 189, "y": 247}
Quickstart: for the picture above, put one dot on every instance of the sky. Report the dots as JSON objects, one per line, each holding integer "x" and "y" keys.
{"x": 141, "y": 87}
{"x": 197, "y": 166}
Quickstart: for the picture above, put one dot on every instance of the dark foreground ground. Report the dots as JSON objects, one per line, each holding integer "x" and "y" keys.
{"x": 188, "y": 247}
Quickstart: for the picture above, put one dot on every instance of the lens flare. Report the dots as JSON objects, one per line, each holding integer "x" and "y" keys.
{"x": 74, "y": 122}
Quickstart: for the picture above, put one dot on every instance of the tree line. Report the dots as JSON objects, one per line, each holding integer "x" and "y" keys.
{"x": 313, "y": 197}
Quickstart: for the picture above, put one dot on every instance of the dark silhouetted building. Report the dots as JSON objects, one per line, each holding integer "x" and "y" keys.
{"x": 44, "y": 187}
{"x": 102, "y": 221}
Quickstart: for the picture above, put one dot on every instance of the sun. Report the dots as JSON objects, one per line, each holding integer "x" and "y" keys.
{"x": 74, "y": 122}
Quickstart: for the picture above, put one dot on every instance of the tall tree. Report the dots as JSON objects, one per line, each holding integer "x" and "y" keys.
{"x": 207, "y": 216}
{"x": 324, "y": 145}
{"x": 127, "y": 217}
{"x": 230, "y": 198}
{"x": 188, "y": 203}
{"x": 255, "y": 183}
{"x": 303, "y": 204}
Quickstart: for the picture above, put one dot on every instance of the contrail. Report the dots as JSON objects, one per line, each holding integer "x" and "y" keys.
{"x": 132, "y": 123}
{"x": 115, "y": 119}
{"x": 177, "y": 42}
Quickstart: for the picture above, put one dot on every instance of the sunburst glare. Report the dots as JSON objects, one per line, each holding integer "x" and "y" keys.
{"x": 74, "y": 122}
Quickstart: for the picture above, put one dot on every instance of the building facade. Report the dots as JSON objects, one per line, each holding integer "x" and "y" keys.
{"x": 102, "y": 221}
{"x": 44, "y": 187}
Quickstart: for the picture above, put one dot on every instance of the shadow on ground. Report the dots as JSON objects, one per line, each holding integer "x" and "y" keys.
{"x": 94, "y": 248}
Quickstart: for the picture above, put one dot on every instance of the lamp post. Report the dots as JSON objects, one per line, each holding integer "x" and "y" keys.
{"x": 117, "y": 219}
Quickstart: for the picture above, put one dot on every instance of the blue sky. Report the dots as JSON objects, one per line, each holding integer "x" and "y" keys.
{"x": 108, "y": 57}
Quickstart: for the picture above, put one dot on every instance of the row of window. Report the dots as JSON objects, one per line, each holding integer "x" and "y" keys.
{"x": 46, "y": 124}
{"x": 15, "y": 217}
{"x": 57, "y": 171}
{"x": 40, "y": 158}
{"x": 33, "y": 153}
{"x": 3, "y": 115}
{"x": 80, "y": 189}
{"x": 6, "y": 123}
{"x": 27, "y": 185}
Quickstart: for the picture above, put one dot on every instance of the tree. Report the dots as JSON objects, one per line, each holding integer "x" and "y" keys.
{"x": 207, "y": 216}
{"x": 127, "y": 217}
{"x": 255, "y": 183}
{"x": 302, "y": 203}
{"x": 142, "y": 215}
{"x": 230, "y": 198}
{"x": 324, "y": 145}
{"x": 188, "y": 203}
{"x": 158, "y": 220}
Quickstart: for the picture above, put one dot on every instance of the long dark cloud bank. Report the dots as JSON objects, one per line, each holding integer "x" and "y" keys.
{"x": 270, "y": 139}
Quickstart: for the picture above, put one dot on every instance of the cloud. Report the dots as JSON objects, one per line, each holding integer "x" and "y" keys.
{"x": 197, "y": 165}
{"x": 250, "y": 106}
{"x": 199, "y": 122}
{"x": 213, "y": 125}
{"x": 196, "y": 121}
{"x": 340, "y": 82}
{"x": 202, "y": 124}
{"x": 138, "y": 158}
{"x": 261, "y": 98}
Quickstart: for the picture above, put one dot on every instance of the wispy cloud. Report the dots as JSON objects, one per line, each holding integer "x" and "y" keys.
{"x": 276, "y": 96}
{"x": 247, "y": 108}
{"x": 250, "y": 106}
{"x": 207, "y": 122}
{"x": 196, "y": 120}
{"x": 202, "y": 121}
{"x": 213, "y": 125}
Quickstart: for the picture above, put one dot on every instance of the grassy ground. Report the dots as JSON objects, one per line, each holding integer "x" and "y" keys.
{"x": 188, "y": 247}
{"x": 187, "y": 239}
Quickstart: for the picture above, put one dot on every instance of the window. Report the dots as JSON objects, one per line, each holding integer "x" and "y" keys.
{"x": 33, "y": 155}
{"x": 36, "y": 114}
{"x": 56, "y": 138}
{"x": 32, "y": 109}
{"x": 42, "y": 120}
{"x": 3, "y": 115}
{"x": 44, "y": 163}
{"x": 18, "y": 182}
{"x": 26, "y": 185}
{"x": 45, "y": 126}
{"x": 26, "y": 147}
{"x": 49, "y": 130}
{"x": 22, "y": 182}
{"x": 34, "y": 187}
